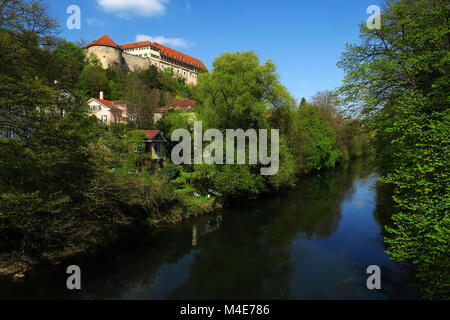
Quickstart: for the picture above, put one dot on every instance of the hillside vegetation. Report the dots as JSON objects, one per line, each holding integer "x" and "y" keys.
{"x": 69, "y": 184}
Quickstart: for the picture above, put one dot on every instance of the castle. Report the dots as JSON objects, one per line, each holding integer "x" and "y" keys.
{"x": 143, "y": 54}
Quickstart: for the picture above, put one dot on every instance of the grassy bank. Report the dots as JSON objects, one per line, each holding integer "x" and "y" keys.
{"x": 113, "y": 208}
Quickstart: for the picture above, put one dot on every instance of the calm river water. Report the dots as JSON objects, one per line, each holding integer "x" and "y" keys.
{"x": 312, "y": 242}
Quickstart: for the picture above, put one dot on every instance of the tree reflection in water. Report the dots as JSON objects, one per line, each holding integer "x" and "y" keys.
{"x": 313, "y": 241}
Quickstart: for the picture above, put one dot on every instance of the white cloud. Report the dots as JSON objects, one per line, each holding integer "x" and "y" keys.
{"x": 128, "y": 8}
{"x": 94, "y": 22}
{"x": 173, "y": 42}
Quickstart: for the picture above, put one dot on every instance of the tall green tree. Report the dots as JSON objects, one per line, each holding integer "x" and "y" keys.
{"x": 399, "y": 75}
{"x": 92, "y": 80}
{"x": 239, "y": 91}
{"x": 242, "y": 93}
{"x": 317, "y": 141}
{"x": 68, "y": 63}
{"x": 27, "y": 16}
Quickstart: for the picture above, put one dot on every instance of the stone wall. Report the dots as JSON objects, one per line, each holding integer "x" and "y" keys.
{"x": 134, "y": 63}
{"x": 108, "y": 56}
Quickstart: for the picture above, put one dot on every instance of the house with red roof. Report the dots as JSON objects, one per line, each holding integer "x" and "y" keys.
{"x": 109, "y": 112}
{"x": 142, "y": 54}
{"x": 155, "y": 144}
{"x": 187, "y": 106}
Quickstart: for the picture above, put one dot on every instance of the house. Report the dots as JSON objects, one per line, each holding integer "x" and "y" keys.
{"x": 155, "y": 144}
{"x": 7, "y": 133}
{"x": 187, "y": 106}
{"x": 112, "y": 111}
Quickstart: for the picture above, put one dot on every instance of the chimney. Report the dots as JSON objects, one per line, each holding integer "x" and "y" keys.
{"x": 101, "y": 95}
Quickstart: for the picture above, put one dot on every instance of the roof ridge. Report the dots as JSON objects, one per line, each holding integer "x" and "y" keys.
{"x": 104, "y": 40}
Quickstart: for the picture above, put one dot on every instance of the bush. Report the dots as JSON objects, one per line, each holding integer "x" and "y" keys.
{"x": 169, "y": 172}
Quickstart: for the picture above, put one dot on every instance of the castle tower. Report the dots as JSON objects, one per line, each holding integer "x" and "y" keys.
{"x": 106, "y": 50}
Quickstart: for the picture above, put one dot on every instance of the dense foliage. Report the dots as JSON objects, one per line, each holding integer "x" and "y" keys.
{"x": 70, "y": 184}
{"x": 241, "y": 93}
{"x": 398, "y": 76}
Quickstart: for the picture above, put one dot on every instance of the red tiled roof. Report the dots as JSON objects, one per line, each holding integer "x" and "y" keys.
{"x": 186, "y": 105}
{"x": 151, "y": 134}
{"x": 107, "y": 103}
{"x": 113, "y": 104}
{"x": 104, "y": 40}
{"x": 166, "y": 51}
{"x": 123, "y": 102}
{"x": 138, "y": 44}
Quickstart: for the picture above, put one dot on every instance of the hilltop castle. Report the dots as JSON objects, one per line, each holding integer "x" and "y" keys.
{"x": 143, "y": 54}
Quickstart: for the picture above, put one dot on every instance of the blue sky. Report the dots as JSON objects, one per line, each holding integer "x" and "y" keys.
{"x": 304, "y": 38}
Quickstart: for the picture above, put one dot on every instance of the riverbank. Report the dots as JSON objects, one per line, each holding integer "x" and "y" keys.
{"x": 312, "y": 241}
{"x": 16, "y": 266}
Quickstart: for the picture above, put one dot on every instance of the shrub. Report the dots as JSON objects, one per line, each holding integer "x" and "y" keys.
{"x": 169, "y": 172}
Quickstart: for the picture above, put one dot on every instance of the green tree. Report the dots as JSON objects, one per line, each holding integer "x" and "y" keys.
{"x": 317, "y": 140}
{"x": 133, "y": 89}
{"x": 27, "y": 16}
{"x": 399, "y": 74}
{"x": 92, "y": 80}
{"x": 172, "y": 121}
{"x": 241, "y": 93}
{"x": 238, "y": 92}
{"x": 303, "y": 102}
{"x": 68, "y": 63}
{"x": 151, "y": 77}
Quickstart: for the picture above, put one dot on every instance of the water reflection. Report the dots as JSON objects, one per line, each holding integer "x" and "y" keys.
{"x": 314, "y": 241}
{"x": 205, "y": 227}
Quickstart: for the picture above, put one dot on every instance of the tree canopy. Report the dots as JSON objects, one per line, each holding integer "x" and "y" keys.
{"x": 399, "y": 76}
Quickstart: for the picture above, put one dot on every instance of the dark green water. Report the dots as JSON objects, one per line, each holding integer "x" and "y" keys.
{"x": 312, "y": 242}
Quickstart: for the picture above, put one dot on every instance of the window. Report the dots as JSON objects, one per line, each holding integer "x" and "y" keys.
{"x": 6, "y": 133}
{"x": 104, "y": 118}
{"x": 157, "y": 147}
{"x": 117, "y": 119}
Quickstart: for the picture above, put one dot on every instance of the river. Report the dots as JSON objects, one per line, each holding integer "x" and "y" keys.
{"x": 314, "y": 241}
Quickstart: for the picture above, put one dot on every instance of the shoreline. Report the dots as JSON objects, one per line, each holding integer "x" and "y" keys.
{"x": 16, "y": 267}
